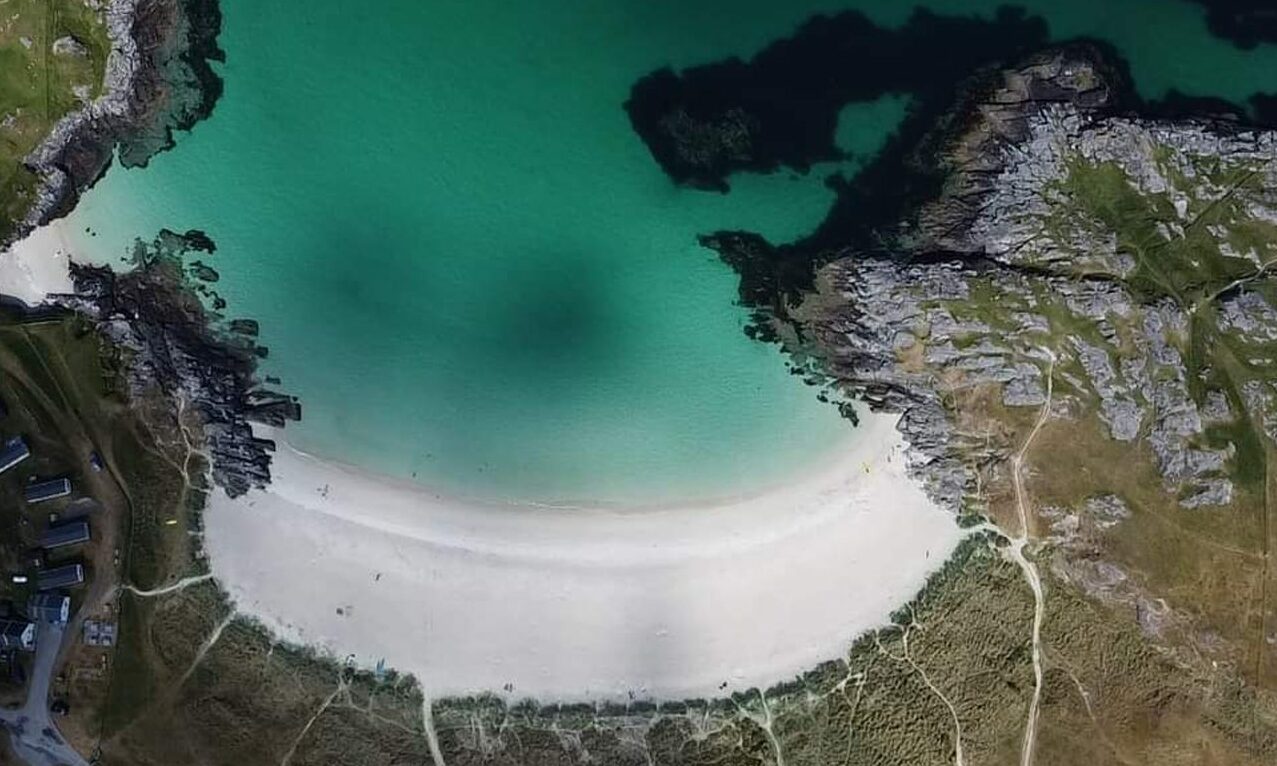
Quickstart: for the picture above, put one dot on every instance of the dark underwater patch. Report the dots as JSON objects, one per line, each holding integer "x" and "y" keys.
{"x": 1246, "y": 23}
{"x": 179, "y": 40}
{"x": 781, "y": 107}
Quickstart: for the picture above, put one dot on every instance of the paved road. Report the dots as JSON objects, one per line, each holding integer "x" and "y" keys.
{"x": 32, "y": 734}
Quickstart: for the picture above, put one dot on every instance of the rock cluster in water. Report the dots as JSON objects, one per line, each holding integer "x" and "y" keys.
{"x": 159, "y": 79}
{"x": 182, "y": 350}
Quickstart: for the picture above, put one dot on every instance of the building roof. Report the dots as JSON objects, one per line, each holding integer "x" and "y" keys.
{"x": 49, "y": 607}
{"x": 14, "y": 451}
{"x": 61, "y": 577}
{"x": 98, "y": 633}
{"x": 17, "y": 634}
{"x": 47, "y": 490}
{"x": 62, "y": 535}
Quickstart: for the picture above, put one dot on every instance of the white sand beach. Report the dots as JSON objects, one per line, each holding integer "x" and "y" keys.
{"x": 37, "y": 265}
{"x": 581, "y": 603}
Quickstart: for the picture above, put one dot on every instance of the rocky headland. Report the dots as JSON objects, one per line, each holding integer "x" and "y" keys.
{"x": 1127, "y": 259}
{"x": 1102, "y": 242}
{"x": 158, "y": 313}
{"x": 158, "y": 79}
{"x": 161, "y": 312}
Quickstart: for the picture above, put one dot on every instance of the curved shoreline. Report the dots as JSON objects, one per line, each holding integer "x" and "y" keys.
{"x": 571, "y": 604}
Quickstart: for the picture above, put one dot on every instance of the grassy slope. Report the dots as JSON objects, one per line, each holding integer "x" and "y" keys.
{"x": 1234, "y": 589}
{"x": 36, "y": 86}
{"x": 1211, "y": 565}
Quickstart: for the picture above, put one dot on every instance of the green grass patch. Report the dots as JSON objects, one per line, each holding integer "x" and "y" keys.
{"x": 133, "y": 682}
{"x": 38, "y": 87}
{"x": 1185, "y": 268}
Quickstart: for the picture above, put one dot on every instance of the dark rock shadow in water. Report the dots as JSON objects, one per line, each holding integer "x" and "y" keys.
{"x": 780, "y": 109}
{"x": 1246, "y": 23}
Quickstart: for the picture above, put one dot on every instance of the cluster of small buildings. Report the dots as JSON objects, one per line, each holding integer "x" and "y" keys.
{"x": 47, "y": 608}
{"x": 99, "y": 633}
{"x": 48, "y": 605}
{"x": 14, "y": 451}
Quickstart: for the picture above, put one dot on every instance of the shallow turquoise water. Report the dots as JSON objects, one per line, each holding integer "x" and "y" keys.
{"x": 469, "y": 267}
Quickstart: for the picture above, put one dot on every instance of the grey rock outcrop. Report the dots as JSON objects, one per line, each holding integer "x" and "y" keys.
{"x": 182, "y": 352}
{"x": 1006, "y": 264}
{"x": 69, "y": 46}
{"x": 157, "y": 80}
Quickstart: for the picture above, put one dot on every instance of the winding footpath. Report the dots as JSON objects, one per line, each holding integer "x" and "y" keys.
{"x": 1016, "y": 553}
{"x": 173, "y": 587}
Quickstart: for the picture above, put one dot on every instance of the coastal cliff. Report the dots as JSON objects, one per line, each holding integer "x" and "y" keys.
{"x": 159, "y": 79}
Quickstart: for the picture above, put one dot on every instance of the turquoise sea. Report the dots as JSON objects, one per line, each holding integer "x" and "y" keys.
{"x": 470, "y": 269}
